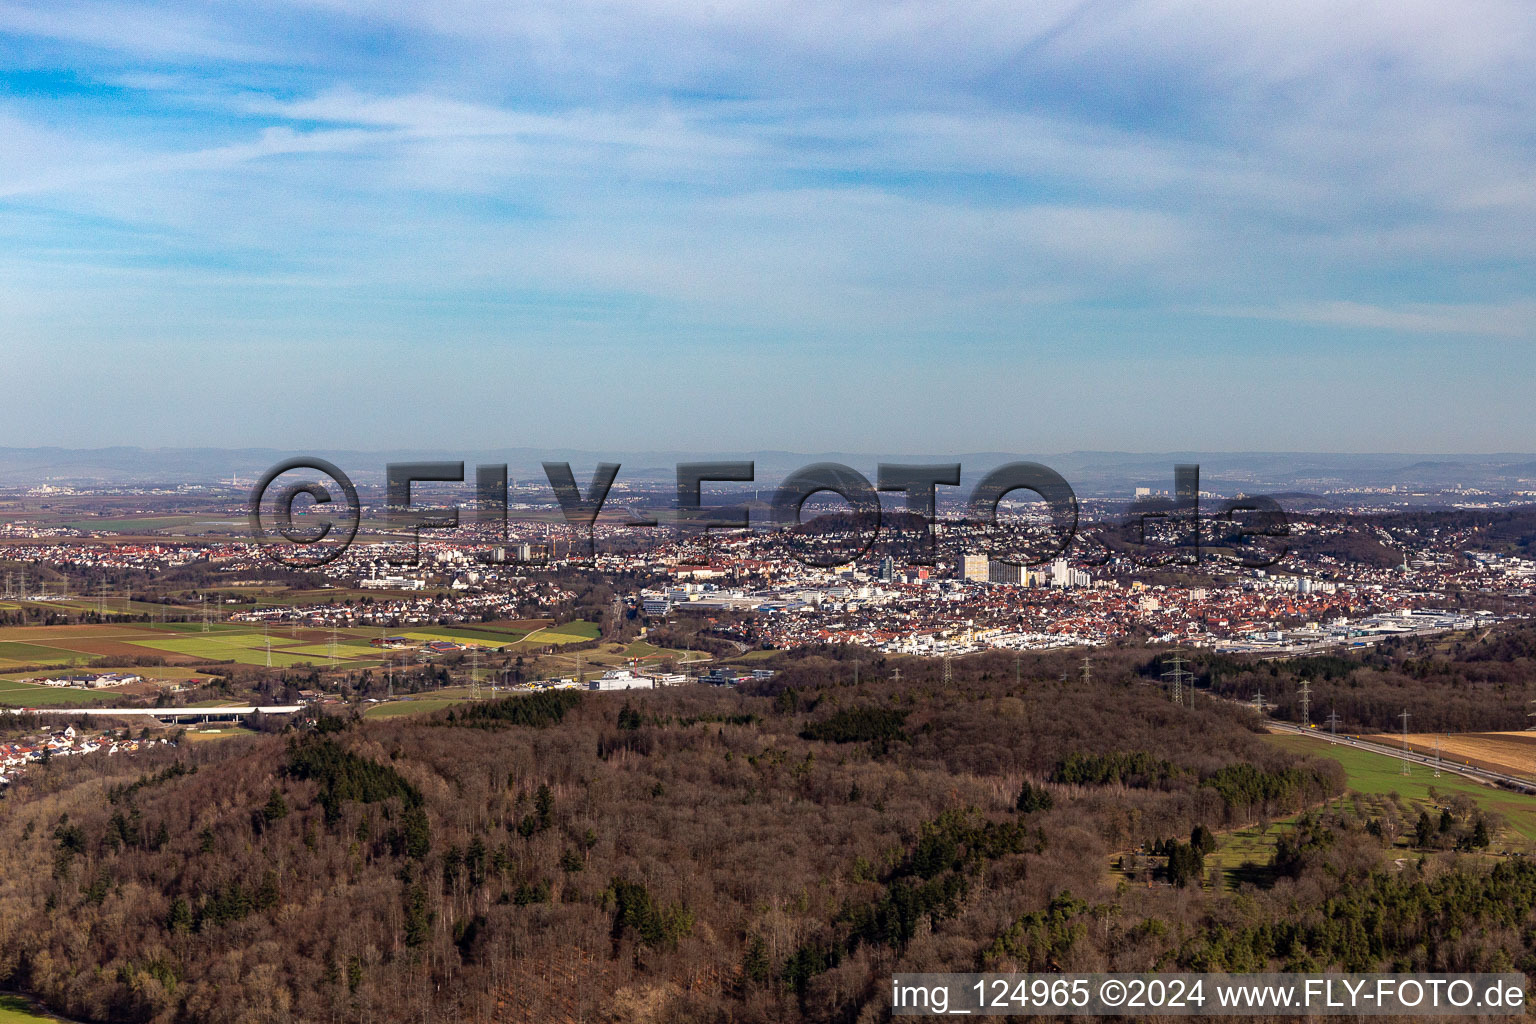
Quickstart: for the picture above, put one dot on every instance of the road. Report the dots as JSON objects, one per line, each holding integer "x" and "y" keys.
{"x": 173, "y": 714}
{"x": 1484, "y": 775}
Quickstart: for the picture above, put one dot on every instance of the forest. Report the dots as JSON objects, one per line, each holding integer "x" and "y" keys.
{"x": 1482, "y": 683}
{"x": 709, "y": 855}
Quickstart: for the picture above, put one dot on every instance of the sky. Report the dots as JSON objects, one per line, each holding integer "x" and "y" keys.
{"x": 833, "y": 225}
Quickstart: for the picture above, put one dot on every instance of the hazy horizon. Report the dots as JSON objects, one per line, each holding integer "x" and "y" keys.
{"x": 1091, "y": 473}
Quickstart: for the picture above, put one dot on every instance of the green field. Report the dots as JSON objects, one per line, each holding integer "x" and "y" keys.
{"x": 346, "y": 650}
{"x": 425, "y": 634}
{"x": 134, "y": 524}
{"x": 414, "y": 706}
{"x": 1243, "y": 854}
{"x": 570, "y": 633}
{"x": 1381, "y": 775}
{"x": 247, "y": 645}
{"x": 1237, "y": 853}
{"x": 222, "y": 732}
{"x": 641, "y": 649}
{"x": 16, "y": 1010}
{"x": 489, "y": 636}
{"x": 114, "y": 605}
{"x": 242, "y": 649}
{"x": 15, "y": 652}
{"x": 579, "y": 630}
{"x": 27, "y": 695}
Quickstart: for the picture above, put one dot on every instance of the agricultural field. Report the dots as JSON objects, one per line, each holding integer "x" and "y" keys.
{"x": 65, "y": 646}
{"x": 1513, "y": 753}
{"x": 432, "y": 700}
{"x": 14, "y": 694}
{"x": 137, "y": 524}
{"x": 426, "y": 634}
{"x": 568, "y": 632}
{"x": 218, "y": 732}
{"x": 411, "y": 706}
{"x": 112, "y": 605}
{"x": 201, "y": 650}
{"x": 15, "y": 653}
{"x": 508, "y": 638}
{"x": 640, "y": 650}
{"x": 179, "y": 643}
{"x": 483, "y": 635}
{"x": 267, "y": 596}
{"x": 642, "y": 654}
{"x": 184, "y": 643}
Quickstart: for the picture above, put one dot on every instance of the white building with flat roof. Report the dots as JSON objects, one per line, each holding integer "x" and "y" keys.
{"x": 621, "y": 679}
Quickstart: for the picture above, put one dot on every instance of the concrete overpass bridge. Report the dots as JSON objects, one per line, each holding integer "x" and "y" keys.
{"x": 215, "y": 714}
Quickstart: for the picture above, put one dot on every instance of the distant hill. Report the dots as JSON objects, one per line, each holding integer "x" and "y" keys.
{"x": 1091, "y": 473}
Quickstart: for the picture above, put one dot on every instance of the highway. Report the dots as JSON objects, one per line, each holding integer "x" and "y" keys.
{"x": 172, "y": 714}
{"x": 1473, "y": 772}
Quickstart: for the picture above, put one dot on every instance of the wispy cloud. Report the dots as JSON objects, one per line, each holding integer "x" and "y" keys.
{"x": 1506, "y": 320}
{"x": 1054, "y": 190}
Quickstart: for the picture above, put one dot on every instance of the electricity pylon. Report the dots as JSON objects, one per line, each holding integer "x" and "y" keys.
{"x": 1176, "y": 676}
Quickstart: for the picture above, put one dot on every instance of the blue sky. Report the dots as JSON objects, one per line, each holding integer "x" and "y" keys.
{"x": 919, "y": 227}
